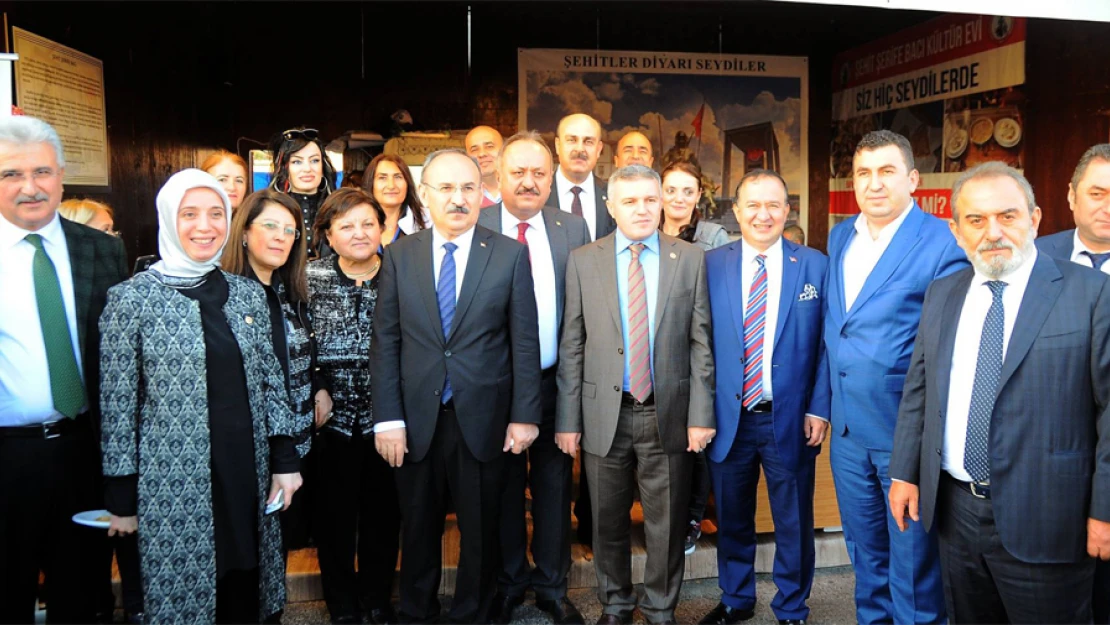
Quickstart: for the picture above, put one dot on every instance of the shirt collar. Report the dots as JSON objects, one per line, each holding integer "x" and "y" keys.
{"x": 11, "y": 234}
{"x": 622, "y": 242}
{"x": 462, "y": 241}
{"x": 587, "y": 184}
{"x": 1015, "y": 281}
{"x": 1077, "y": 246}
{"x": 772, "y": 253}
{"x": 510, "y": 220}
{"x": 888, "y": 231}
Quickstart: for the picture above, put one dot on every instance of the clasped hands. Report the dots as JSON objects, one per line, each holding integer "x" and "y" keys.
{"x": 392, "y": 445}
{"x": 697, "y": 440}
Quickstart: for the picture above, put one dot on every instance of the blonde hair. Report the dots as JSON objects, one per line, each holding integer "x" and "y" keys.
{"x": 82, "y": 211}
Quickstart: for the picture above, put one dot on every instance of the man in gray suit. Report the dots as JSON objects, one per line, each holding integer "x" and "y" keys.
{"x": 1003, "y": 433}
{"x": 524, "y": 174}
{"x": 636, "y": 390}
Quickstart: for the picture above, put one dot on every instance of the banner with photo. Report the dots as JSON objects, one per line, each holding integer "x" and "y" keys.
{"x": 952, "y": 86}
{"x": 728, "y": 112}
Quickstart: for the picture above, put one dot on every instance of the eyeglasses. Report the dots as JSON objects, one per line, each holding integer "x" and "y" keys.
{"x": 449, "y": 189}
{"x": 308, "y": 134}
{"x": 272, "y": 228}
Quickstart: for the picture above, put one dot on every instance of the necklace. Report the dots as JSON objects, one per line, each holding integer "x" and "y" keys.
{"x": 369, "y": 271}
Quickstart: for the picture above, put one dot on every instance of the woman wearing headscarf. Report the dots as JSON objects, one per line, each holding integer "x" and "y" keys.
{"x": 196, "y": 430}
{"x": 302, "y": 170}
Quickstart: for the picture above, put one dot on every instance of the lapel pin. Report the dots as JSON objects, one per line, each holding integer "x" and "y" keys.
{"x": 793, "y": 259}
{"x": 249, "y": 319}
{"x": 673, "y": 255}
{"x": 483, "y": 244}
{"x": 558, "y": 223}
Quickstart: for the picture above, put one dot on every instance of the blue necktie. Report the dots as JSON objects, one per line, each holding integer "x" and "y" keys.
{"x": 1098, "y": 260}
{"x": 988, "y": 370}
{"x": 445, "y": 293}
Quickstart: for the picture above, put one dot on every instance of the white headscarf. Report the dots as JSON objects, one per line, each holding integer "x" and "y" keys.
{"x": 175, "y": 262}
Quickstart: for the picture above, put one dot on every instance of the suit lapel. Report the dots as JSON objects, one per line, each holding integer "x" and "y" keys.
{"x": 560, "y": 250}
{"x": 426, "y": 279}
{"x": 475, "y": 267}
{"x": 601, "y": 211}
{"x": 791, "y": 270}
{"x": 735, "y": 288}
{"x": 946, "y": 345}
{"x": 605, "y": 257}
{"x": 1044, "y": 288}
{"x": 81, "y": 270}
{"x": 904, "y": 241}
{"x": 836, "y": 309}
{"x": 669, "y": 257}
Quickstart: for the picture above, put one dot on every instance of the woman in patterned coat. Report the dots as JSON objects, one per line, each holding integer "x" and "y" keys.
{"x": 196, "y": 429}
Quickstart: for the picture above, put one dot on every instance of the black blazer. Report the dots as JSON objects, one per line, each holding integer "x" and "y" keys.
{"x": 98, "y": 262}
{"x": 492, "y": 353}
{"x": 565, "y": 233}
{"x": 604, "y": 223}
{"x": 1050, "y": 430}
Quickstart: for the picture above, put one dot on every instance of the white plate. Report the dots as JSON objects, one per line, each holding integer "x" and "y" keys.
{"x": 89, "y": 518}
{"x": 1007, "y": 132}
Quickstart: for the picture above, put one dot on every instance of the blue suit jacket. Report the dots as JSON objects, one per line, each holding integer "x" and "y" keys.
{"x": 1050, "y": 429}
{"x": 869, "y": 347}
{"x": 799, "y": 382}
{"x": 1059, "y": 245}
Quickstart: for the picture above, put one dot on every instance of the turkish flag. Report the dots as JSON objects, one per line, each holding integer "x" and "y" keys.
{"x": 697, "y": 121}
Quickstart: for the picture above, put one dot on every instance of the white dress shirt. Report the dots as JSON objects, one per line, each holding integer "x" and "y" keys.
{"x": 407, "y": 222}
{"x": 1078, "y": 257}
{"x": 589, "y": 203}
{"x": 965, "y": 357}
{"x": 543, "y": 280}
{"x": 25, "y": 397}
{"x": 863, "y": 254}
{"x": 461, "y": 255}
{"x": 773, "y": 266}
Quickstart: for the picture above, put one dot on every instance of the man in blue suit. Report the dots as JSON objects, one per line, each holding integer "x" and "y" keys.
{"x": 880, "y": 264}
{"x": 1003, "y": 438}
{"x": 1088, "y": 244}
{"x": 772, "y": 400}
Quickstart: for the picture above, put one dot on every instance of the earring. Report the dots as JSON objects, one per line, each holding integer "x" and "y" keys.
{"x": 244, "y": 243}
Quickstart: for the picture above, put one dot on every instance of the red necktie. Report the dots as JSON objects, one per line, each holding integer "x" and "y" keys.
{"x": 521, "y": 228}
{"x": 576, "y": 205}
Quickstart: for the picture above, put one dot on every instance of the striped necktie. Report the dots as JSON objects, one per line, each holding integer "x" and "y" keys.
{"x": 755, "y": 318}
{"x": 639, "y": 352}
{"x": 445, "y": 294}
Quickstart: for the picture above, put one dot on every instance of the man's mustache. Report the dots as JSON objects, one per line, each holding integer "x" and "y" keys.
{"x": 528, "y": 191}
{"x": 580, "y": 155}
{"x": 460, "y": 209}
{"x": 38, "y": 197}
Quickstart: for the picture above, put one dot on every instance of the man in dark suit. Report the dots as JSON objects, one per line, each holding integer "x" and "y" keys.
{"x": 55, "y": 276}
{"x": 1003, "y": 436}
{"x": 880, "y": 264}
{"x": 524, "y": 174}
{"x": 636, "y": 390}
{"x": 455, "y": 385}
{"x": 772, "y": 405}
{"x": 576, "y": 190}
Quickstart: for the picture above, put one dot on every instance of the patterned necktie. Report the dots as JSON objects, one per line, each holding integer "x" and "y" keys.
{"x": 639, "y": 354}
{"x": 576, "y": 205}
{"x": 521, "y": 228}
{"x": 66, "y": 386}
{"x": 755, "y": 318}
{"x": 1098, "y": 260}
{"x": 445, "y": 293}
{"x": 988, "y": 370}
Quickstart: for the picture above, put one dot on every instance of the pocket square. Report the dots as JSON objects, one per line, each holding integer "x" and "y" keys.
{"x": 808, "y": 292}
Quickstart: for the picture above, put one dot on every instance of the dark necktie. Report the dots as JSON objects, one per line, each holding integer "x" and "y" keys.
{"x": 445, "y": 293}
{"x": 576, "y": 205}
{"x": 639, "y": 354}
{"x": 988, "y": 370}
{"x": 66, "y": 386}
{"x": 755, "y": 319}
{"x": 1098, "y": 260}
{"x": 522, "y": 228}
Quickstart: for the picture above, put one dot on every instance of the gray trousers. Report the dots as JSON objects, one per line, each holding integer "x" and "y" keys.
{"x": 664, "y": 483}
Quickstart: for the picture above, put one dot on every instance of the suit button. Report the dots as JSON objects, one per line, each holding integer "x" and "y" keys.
{"x": 436, "y": 392}
{"x": 843, "y": 335}
{"x": 843, "y": 375}
{"x": 620, "y": 350}
{"x": 938, "y": 451}
{"x": 447, "y": 353}
{"x": 738, "y": 396}
{"x": 617, "y": 389}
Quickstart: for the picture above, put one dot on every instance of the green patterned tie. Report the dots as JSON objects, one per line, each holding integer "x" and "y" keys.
{"x": 66, "y": 385}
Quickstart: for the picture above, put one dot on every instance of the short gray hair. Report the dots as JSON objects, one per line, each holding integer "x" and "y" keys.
{"x": 987, "y": 171}
{"x": 23, "y": 130}
{"x": 445, "y": 151}
{"x": 633, "y": 172}
{"x": 1098, "y": 152}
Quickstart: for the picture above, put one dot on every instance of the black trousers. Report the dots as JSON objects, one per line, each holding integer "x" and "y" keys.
{"x": 984, "y": 583}
{"x": 699, "y": 488}
{"x": 547, "y": 471}
{"x": 43, "y": 483}
{"x": 356, "y": 512}
{"x": 237, "y": 597}
{"x": 423, "y": 488}
{"x": 1101, "y": 595}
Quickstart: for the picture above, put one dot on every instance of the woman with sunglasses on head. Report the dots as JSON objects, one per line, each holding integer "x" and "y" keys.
{"x": 267, "y": 246}
{"x": 355, "y": 497}
{"x": 302, "y": 170}
{"x": 196, "y": 431}
{"x": 231, "y": 171}
{"x": 389, "y": 180}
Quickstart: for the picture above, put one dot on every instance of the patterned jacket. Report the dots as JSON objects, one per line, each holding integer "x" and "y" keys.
{"x": 155, "y": 424}
{"x": 301, "y": 382}
{"x": 342, "y": 316}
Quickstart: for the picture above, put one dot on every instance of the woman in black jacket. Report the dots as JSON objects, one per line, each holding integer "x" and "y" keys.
{"x": 302, "y": 170}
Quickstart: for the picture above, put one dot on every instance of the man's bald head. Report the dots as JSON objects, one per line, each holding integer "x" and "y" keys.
{"x": 484, "y": 144}
{"x": 578, "y": 144}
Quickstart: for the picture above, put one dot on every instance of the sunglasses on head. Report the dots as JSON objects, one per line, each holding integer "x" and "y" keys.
{"x": 308, "y": 134}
